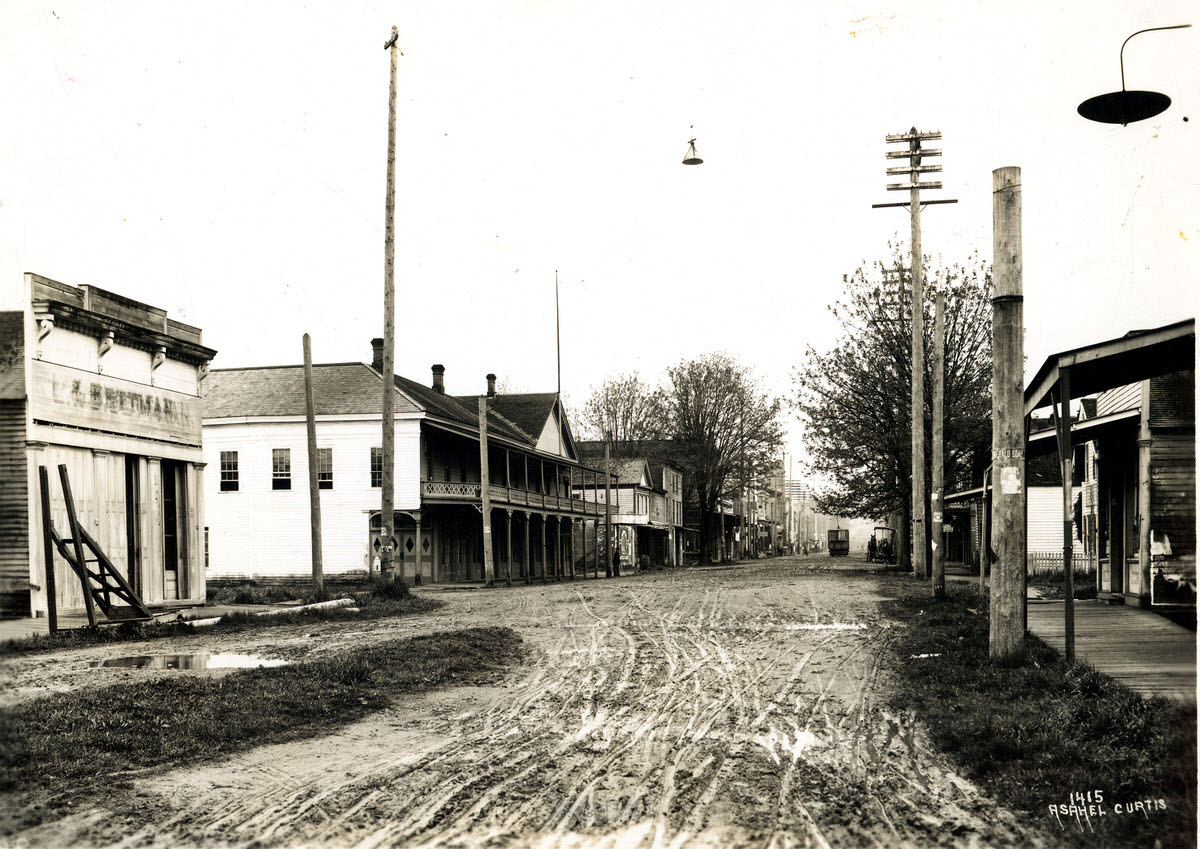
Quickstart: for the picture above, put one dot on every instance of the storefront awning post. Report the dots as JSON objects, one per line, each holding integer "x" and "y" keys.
{"x": 1062, "y": 429}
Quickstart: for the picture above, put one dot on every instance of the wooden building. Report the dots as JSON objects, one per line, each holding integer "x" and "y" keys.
{"x": 647, "y": 507}
{"x": 108, "y": 387}
{"x": 258, "y": 525}
{"x": 1142, "y": 455}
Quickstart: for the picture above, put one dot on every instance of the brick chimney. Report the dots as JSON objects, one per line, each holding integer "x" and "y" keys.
{"x": 491, "y": 379}
{"x": 439, "y": 383}
{"x": 377, "y": 354}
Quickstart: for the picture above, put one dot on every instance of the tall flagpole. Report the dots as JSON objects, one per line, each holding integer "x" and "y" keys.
{"x": 387, "y": 528}
{"x": 558, "y": 363}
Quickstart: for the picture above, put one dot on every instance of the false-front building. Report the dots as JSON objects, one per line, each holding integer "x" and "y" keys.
{"x": 108, "y": 388}
{"x": 258, "y": 509}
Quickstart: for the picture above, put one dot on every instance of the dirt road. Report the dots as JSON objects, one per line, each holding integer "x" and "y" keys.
{"x": 731, "y": 706}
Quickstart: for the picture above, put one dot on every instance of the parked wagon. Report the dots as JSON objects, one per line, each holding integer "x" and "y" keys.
{"x": 839, "y": 542}
{"x": 882, "y": 546}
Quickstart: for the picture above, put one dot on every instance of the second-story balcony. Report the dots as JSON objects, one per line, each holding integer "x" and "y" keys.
{"x": 468, "y": 492}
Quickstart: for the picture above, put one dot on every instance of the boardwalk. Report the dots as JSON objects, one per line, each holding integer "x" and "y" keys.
{"x": 1142, "y": 650}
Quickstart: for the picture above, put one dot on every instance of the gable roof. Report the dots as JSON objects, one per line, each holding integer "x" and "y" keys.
{"x": 354, "y": 388}
{"x": 629, "y": 471}
{"x": 338, "y": 388}
{"x": 528, "y": 411}
{"x": 655, "y": 453}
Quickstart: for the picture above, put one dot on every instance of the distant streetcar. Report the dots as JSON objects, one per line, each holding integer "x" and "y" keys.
{"x": 839, "y": 542}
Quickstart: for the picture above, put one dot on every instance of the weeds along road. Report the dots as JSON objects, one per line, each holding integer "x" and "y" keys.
{"x": 729, "y": 706}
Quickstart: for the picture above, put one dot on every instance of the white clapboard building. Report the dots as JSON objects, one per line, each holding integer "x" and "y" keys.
{"x": 258, "y": 524}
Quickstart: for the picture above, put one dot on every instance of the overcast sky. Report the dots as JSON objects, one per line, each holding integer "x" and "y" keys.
{"x": 226, "y": 161}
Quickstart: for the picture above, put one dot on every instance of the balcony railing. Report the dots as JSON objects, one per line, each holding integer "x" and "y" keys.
{"x": 506, "y": 496}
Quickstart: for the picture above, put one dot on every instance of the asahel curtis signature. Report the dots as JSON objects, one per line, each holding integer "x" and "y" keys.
{"x": 1089, "y": 806}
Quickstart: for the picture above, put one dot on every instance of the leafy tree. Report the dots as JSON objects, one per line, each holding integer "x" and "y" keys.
{"x": 855, "y": 399}
{"x": 724, "y": 432}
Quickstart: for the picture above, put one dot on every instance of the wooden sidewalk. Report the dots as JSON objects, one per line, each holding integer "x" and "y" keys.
{"x": 1144, "y": 651}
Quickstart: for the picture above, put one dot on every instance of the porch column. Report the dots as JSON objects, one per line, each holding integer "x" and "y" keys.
{"x": 558, "y": 548}
{"x": 543, "y": 545}
{"x": 525, "y": 552}
{"x": 595, "y": 547}
{"x": 417, "y": 550}
{"x": 508, "y": 545}
{"x": 1062, "y": 426}
{"x": 1143, "y": 480}
{"x": 571, "y": 546}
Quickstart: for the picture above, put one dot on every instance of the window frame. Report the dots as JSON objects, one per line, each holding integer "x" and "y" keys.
{"x": 324, "y": 468}
{"x": 229, "y": 472}
{"x": 281, "y": 481}
{"x": 376, "y": 475}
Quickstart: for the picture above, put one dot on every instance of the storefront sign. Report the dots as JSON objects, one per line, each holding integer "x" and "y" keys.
{"x": 67, "y": 396}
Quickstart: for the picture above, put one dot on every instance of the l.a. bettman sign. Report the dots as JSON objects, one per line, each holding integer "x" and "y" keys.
{"x": 72, "y": 397}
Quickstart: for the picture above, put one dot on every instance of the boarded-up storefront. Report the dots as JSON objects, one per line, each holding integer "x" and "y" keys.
{"x": 108, "y": 388}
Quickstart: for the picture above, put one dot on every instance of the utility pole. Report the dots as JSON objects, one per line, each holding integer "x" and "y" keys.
{"x": 489, "y": 576}
{"x": 913, "y": 170}
{"x": 608, "y": 540}
{"x": 938, "y": 493}
{"x": 901, "y": 544}
{"x": 745, "y": 480}
{"x": 314, "y": 491}
{"x": 388, "y": 484}
{"x": 1006, "y": 635}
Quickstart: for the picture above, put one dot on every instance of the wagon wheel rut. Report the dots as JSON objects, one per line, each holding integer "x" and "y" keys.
{"x": 736, "y": 708}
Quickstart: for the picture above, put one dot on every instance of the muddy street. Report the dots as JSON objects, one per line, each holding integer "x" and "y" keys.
{"x": 726, "y": 706}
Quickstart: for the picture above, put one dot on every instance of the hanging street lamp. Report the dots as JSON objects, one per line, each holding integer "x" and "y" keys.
{"x": 1124, "y": 106}
{"x": 691, "y": 157}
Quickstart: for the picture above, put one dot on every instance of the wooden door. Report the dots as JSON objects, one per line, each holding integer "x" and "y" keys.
{"x": 174, "y": 531}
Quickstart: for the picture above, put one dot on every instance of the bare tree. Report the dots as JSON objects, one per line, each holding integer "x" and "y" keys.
{"x": 624, "y": 405}
{"x": 725, "y": 431}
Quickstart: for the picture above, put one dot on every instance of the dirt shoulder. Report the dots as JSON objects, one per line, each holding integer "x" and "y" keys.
{"x": 701, "y": 708}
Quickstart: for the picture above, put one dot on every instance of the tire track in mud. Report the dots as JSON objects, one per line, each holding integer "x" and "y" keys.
{"x": 731, "y": 708}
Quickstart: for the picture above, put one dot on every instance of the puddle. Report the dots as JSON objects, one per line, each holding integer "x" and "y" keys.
{"x": 194, "y": 661}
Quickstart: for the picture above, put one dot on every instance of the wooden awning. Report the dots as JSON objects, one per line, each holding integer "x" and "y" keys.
{"x": 1136, "y": 356}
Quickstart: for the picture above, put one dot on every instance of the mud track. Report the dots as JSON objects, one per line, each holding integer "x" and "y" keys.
{"x": 740, "y": 706}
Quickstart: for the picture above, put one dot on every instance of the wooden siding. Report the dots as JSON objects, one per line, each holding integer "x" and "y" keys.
{"x": 1128, "y": 397}
{"x": 1173, "y": 490}
{"x": 261, "y": 532}
{"x": 14, "y": 509}
{"x": 658, "y": 509}
{"x": 1045, "y": 520}
{"x": 98, "y": 486}
{"x": 1173, "y": 400}
{"x": 79, "y": 350}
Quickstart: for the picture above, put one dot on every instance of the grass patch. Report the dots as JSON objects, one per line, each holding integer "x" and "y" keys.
{"x": 374, "y": 602}
{"x": 1051, "y": 583}
{"x": 1035, "y": 734}
{"x": 73, "y": 744}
